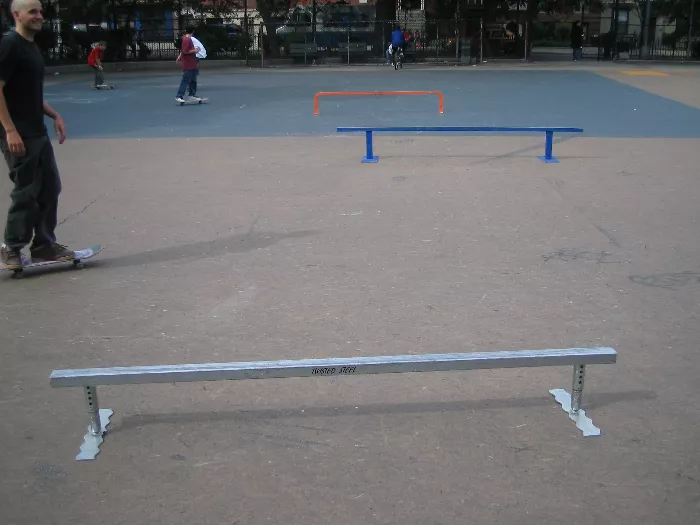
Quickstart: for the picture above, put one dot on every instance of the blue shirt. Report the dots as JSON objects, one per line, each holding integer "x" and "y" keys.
{"x": 397, "y": 38}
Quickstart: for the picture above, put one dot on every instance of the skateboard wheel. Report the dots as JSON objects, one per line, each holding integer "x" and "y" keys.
{"x": 79, "y": 265}
{"x": 17, "y": 274}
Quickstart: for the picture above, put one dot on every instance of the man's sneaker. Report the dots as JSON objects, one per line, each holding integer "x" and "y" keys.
{"x": 51, "y": 252}
{"x": 180, "y": 100}
{"x": 195, "y": 99}
{"x": 11, "y": 257}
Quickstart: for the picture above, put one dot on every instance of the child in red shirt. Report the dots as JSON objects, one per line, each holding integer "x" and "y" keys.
{"x": 190, "y": 68}
{"x": 95, "y": 62}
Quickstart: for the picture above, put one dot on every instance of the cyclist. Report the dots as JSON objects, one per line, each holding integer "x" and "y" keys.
{"x": 397, "y": 42}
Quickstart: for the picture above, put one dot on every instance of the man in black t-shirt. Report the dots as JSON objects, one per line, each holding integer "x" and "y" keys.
{"x": 25, "y": 143}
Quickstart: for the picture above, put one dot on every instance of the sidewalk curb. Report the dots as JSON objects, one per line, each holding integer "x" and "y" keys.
{"x": 169, "y": 66}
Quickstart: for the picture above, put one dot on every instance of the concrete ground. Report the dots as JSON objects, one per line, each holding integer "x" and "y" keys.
{"x": 248, "y": 230}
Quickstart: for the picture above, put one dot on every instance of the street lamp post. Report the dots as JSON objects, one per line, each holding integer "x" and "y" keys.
{"x": 690, "y": 29}
{"x": 645, "y": 30}
{"x": 616, "y": 14}
{"x": 245, "y": 29}
{"x": 313, "y": 20}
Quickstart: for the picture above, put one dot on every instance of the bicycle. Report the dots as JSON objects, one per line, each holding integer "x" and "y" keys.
{"x": 397, "y": 58}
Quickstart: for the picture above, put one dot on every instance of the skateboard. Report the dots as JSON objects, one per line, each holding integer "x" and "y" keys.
{"x": 103, "y": 86}
{"x": 202, "y": 101}
{"x": 78, "y": 264}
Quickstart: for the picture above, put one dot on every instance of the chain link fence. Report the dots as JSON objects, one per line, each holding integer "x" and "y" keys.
{"x": 432, "y": 41}
{"x": 669, "y": 42}
{"x": 330, "y": 39}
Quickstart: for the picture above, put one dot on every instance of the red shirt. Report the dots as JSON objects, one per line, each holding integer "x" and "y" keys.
{"x": 96, "y": 53}
{"x": 188, "y": 61}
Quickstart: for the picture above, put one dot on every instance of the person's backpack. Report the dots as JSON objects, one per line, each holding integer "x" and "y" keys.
{"x": 202, "y": 53}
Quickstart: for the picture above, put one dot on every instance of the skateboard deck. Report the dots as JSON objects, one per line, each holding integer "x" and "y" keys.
{"x": 202, "y": 101}
{"x": 104, "y": 86}
{"x": 77, "y": 260}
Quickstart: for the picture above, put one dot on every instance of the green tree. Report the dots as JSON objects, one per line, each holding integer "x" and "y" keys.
{"x": 273, "y": 13}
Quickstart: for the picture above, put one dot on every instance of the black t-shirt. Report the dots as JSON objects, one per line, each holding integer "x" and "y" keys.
{"x": 22, "y": 69}
{"x": 576, "y": 37}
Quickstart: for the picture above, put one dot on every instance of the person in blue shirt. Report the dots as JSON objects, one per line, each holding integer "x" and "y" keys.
{"x": 397, "y": 40}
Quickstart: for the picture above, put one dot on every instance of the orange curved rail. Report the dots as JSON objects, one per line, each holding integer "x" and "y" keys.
{"x": 441, "y": 99}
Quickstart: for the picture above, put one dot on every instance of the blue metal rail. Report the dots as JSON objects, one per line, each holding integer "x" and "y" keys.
{"x": 548, "y": 131}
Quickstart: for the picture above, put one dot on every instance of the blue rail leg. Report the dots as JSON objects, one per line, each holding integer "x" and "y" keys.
{"x": 370, "y": 154}
{"x": 548, "y": 157}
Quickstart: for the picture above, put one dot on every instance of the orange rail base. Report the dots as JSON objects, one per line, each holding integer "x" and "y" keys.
{"x": 441, "y": 99}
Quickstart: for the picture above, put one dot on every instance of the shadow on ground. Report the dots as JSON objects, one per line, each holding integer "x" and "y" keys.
{"x": 595, "y": 401}
{"x": 204, "y": 249}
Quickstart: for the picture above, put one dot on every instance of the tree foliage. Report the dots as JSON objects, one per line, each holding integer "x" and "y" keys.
{"x": 123, "y": 11}
{"x": 273, "y": 13}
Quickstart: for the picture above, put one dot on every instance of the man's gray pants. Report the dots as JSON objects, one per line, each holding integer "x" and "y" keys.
{"x": 34, "y": 208}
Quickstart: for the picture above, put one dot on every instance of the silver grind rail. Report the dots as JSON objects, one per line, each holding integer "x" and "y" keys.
{"x": 391, "y": 364}
{"x": 90, "y": 378}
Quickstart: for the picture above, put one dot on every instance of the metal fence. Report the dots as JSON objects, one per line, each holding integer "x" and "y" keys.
{"x": 368, "y": 43}
{"x": 432, "y": 41}
{"x": 438, "y": 41}
{"x": 665, "y": 43}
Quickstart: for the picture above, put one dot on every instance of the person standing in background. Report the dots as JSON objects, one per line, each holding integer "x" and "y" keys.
{"x": 577, "y": 41}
